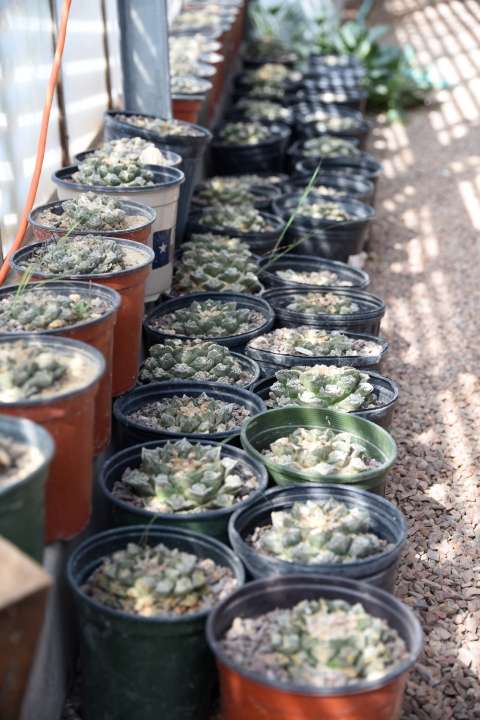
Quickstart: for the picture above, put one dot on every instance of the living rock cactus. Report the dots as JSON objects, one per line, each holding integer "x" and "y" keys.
{"x": 315, "y": 532}
{"x": 135, "y": 150}
{"x": 201, "y": 269}
{"x": 244, "y": 133}
{"x": 320, "y": 451}
{"x": 159, "y": 581}
{"x": 87, "y": 255}
{"x": 273, "y": 91}
{"x": 262, "y": 109}
{"x": 211, "y": 318}
{"x": 193, "y": 360}
{"x": 315, "y": 303}
{"x": 309, "y": 342}
{"x": 325, "y": 211}
{"x": 323, "y": 190}
{"x": 100, "y": 172}
{"x": 184, "y": 84}
{"x": 322, "y": 278}
{"x": 329, "y": 146}
{"x": 271, "y": 73}
{"x": 161, "y": 126}
{"x": 317, "y": 643}
{"x": 46, "y": 310}
{"x": 26, "y": 371}
{"x": 201, "y": 415}
{"x": 184, "y": 478}
{"x": 236, "y": 218}
{"x": 12, "y": 454}
{"x": 230, "y": 191}
{"x": 341, "y": 388}
{"x": 328, "y": 122}
{"x": 210, "y": 241}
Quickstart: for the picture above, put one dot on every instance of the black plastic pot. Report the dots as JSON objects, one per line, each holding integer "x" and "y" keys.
{"x": 213, "y": 523}
{"x": 265, "y": 194}
{"x": 267, "y": 156}
{"x": 288, "y": 60}
{"x": 325, "y": 238}
{"x": 360, "y": 132}
{"x": 237, "y": 114}
{"x": 236, "y": 343}
{"x": 367, "y": 320}
{"x": 260, "y": 243}
{"x": 348, "y": 63}
{"x": 22, "y": 511}
{"x": 357, "y": 277}
{"x": 364, "y": 165}
{"x": 387, "y": 522}
{"x": 287, "y": 99}
{"x": 250, "y": 695}
{"x": 353, "y": 98}
{"x": 270, "y": 362}
{"x": 384, "y": 388}
{"x": 191, "y": 150}
{"x": 355, "y": 186}
{"x": 134, "y": 433}
{"x": 295, "y": 153}
{"x": 173, "y": 158}
{"x": 246, "y": 363}
{"x": 143, "y": 668}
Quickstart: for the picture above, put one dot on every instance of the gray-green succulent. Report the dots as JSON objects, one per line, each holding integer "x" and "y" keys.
{"x": 87, "y": 255}
{"x": 44, "y": 309}
{"x": 244, "y": 133}
{"x": 320, "y": 451}
{"x": 134, "y": 149}
{"x": 203, "y": 269}
{"x": 316, "y": 303}
{"x": 181, "y": 477}
{"x": 236, "y": 218}
{"x": 26, "y": 371}
{"x": 325, "y": 211}
{"x": 100, "y": 172}
{"x": 322, "y": 278}
{"x": 160, "y": 125}
{"x": 95, "y": 212}
{"x": 310, "y": 342}
{"x": 329, "y": 146}
{"x": 262, "y": 109}
{"x": 211, "y": 318}
{"x": 221, "y": 191}
{"x": 328, "y": 122}
{"x": 341, "y": 388}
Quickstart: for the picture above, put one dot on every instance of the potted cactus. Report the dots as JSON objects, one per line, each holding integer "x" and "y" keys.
{"x": 92, "y": 214}
{"x": 130, "y": 149}
{"x": 336, "y": 183}
{"x": 300, "y": 444}
{"x": 324, "y": 146}
{"x": 286, "y": 347}
{"x": 188, "y": 409}
{"x": 352, "y": 97}
{"x": 320, "y": 528}
{"x": 230, "y": 319}
{"x": 76, "y": 310}
{"x": 309, "y": 272}
{"x": 53, "y": 381}
{"x": 200, "y": 361}
{"x": 236, "y": 190}
{"x": 335, "y": 121}
{"x": 329, "y": 309}
{"x": 253, "y": 109}
{"x": 122, "y": 265}
{"x": 205, "y": 482}
{"x": 269, "y": 74}
{"x": 159, "y": 628}
{"x": 249, "y": 147}
{"x": 189, "y": 141}
{"x": 268, "y": 49}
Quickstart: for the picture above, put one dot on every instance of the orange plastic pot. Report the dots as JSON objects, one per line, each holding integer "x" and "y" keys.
{"x": 139, "y": 234}
{"x": 69, "y": 418}
{"x": 246, "y": 696}
{"x": 98, "y": 333}
{"x": 187, "y": 108}
{"x": 130, "y": 284}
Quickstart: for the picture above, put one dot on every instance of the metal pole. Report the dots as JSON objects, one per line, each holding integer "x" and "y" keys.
{"x": 144, "y": 53}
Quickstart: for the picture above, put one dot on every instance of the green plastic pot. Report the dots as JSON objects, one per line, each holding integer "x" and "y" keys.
{"x": 213, "y": 523}
{"x": 22, "y": 511}
{"x": 262, "y": 430}
{"x": 144, "y": 668}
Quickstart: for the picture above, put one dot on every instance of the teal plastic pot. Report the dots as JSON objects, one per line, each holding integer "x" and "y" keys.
{"x": 143, "y": 668}
{"x": 262, "y": 430}
{"x": 22, "y": 507}
{"x": 213, "y": 523}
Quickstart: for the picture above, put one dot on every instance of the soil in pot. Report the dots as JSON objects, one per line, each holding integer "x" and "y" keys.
{"x": 119, "y": 264}
{"x": 320, "y": 529}
{"x": 231, "y": 319}
{"x": 53, "y": 381}
{"x": 309, "y": 272}
{"x": 208, "y": 481}
{"x": 260, "y": 230}
{"x": 329, "y": 184}
{"x": 323, "y": 613}
{"x": 250, "y": 109}
{"x": 300, "y": 444}
{"x": 236, "y": 190}
{"x": 249, "y": 147}
{"x": 159, "y": 632}
{"x": 26, "y": 450}
{"x": 75, "y": 310}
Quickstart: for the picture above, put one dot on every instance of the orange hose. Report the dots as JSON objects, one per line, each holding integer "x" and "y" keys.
{"x": 62, "y": 31}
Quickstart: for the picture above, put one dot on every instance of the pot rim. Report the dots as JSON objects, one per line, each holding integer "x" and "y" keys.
{"x": 275, "y": 297}
{"x": 322, "y": 582}
{"x": 333, "y": 265}
{"x": 144, "y": 513}
{"x": 59, "y": 177}
{"x": 279, "y": 130}
{"x": 206, "y": 134}
{"x": 195, "y": 215}
{"x": 175, "y": 158}
{"x": 47, "y": 448}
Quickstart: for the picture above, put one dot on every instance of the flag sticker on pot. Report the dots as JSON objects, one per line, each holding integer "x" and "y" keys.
{"x": 163, "y": 247}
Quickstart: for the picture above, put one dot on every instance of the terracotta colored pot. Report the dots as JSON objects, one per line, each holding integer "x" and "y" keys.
{"x": 187, "y": 108}
{"x": 97, "y": 333}
{"x": 130, "y": 284}
{"x": 139, "y": 234}
{"x": 69, "y": 418}
{"x": 246, "y": 696}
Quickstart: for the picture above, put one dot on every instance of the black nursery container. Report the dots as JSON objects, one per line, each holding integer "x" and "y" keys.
{"x": 270, "y": 362}
{"x": 134, "y": 433}
{"x": 367, "y": 320}
{"x": 353, "y": 98}
{"x": 386, "y": 521}
{"x": 355, "y": 186}
{"x": 236, "y": 343}
{"x": 267, "y": 156}
{"x": 359, "y": 279}
{"x": 260, "y": 243}
{"x": 360, "y": 132}
{"x": 136, "y": 667}
{"x": 384, "y": 388}
{"x": 364, "y": 165}
{"x": 264, "y": 194}
{"x": 191, "y": 150}
{"x": 213, "y": 523}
